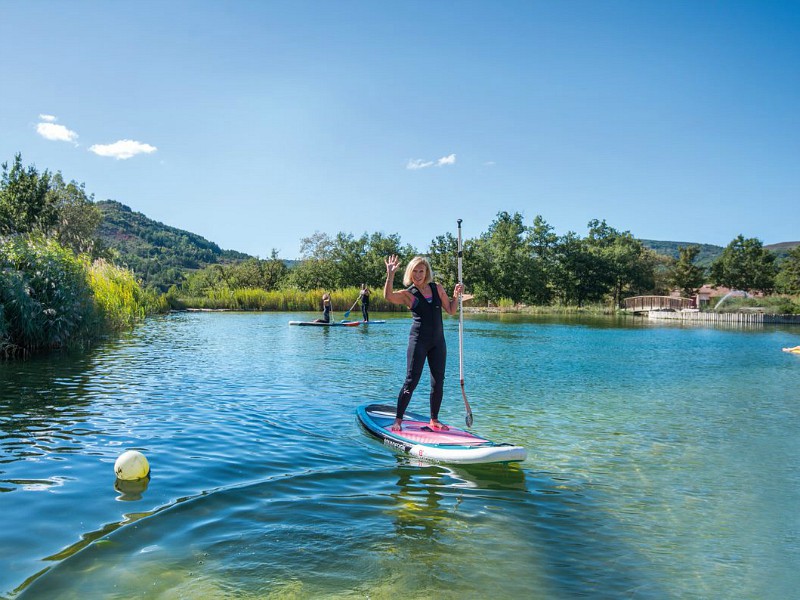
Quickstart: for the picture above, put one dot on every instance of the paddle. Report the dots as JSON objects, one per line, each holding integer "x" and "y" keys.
{"x": 461, "y": 331}
{"x": 347, "y": 314}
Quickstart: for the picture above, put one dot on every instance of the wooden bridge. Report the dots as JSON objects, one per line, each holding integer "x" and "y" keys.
{"x": 648, "y": 303}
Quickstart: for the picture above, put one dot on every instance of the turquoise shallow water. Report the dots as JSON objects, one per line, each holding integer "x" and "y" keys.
{"x": 663, "y": 463}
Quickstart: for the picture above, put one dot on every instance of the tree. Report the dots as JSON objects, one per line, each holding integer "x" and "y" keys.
{"x": 78, "y": 217}
{"x": 26, "y": 204}
{"x": 745, "y": 265}
{"x": 575, "y": 277}
{"x": 541, "y": 243}
{"x": 316, "y": 269}
{"x": 623, "y": 264}
{"x": 347, "y": 255}
{"x": 379, "y": 247}
{"x": 788, "y": 279}
{"x": 684, "y": 274}
{"x": 504, "y": 257}
{"x": 443, "y": 255}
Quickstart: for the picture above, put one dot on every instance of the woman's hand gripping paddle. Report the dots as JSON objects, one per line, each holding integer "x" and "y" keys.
{"x": 461, "y": 331}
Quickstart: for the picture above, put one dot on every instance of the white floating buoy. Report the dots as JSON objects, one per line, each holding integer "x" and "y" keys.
{"x": 131, "y": 465}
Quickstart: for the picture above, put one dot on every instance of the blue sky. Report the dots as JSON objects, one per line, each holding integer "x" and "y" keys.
{"x": 255, "y": 124}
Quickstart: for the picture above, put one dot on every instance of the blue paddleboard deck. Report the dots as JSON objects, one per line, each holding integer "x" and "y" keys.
{"x": 418, "y": 439}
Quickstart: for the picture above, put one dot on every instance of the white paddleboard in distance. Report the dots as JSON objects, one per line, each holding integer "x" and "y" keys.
{"x": 331, "y": 324}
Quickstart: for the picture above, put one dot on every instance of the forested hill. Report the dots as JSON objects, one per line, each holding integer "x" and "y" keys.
{"x": 160, "y": 255}
{"x": 781, "y": 250}
{"x": 708, "y": 252}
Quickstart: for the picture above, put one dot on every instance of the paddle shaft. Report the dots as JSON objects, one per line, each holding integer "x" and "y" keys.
{"x": 347, "y": 314}
{"x": 461, "y": 331}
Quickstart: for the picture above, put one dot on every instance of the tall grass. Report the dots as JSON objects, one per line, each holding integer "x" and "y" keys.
{"x": 278, "y": 300}
{"x": 118, "y": 297}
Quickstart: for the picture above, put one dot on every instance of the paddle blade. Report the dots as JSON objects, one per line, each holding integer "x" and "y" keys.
{"x": 466, "y": 405}
{"x": 346, "y": 314}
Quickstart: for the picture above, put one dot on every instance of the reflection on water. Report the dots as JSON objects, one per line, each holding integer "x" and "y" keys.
{"x": 131, "y": 490}
{"x": 663, "y": 462}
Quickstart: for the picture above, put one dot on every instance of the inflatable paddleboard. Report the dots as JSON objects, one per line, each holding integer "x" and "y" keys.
{"x": 417, "y": 439}
{"x": 370, "y": 322}
{"x": 331, "y": 324}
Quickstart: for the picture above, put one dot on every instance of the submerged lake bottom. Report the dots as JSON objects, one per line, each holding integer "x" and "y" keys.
{"x": 662, "y": 463}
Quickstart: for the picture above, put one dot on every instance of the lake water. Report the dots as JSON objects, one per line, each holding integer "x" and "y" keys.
{"x": 663, "y": 462}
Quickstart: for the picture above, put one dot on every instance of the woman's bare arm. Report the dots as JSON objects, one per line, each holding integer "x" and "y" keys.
{"x": 401, "y": 297}
{"x": 451, "y": 306}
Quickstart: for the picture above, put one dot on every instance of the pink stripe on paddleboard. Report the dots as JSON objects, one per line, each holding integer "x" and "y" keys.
{"x": 412, "y": 430}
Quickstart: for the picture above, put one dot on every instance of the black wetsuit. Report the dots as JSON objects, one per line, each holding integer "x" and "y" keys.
{"x": 365, "y": 304}
{"x": 326, "y": 312}
{"x": 425, "y": 341}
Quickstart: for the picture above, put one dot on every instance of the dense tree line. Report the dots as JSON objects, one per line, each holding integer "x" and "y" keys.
{"x": 519, "y": 263}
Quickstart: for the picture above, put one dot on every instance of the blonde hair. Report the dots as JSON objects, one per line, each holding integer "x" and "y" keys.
{"x": 413, "y": 265}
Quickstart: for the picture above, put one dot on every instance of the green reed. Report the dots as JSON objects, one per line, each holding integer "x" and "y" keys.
{"x": 290, "y": 299}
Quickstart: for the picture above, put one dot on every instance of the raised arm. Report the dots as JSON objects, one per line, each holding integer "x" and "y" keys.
{"x": 401, "y": 297}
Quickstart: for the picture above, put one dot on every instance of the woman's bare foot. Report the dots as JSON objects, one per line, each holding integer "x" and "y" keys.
{"x": 438, "y": 425}
{"x": 397, "y": 425}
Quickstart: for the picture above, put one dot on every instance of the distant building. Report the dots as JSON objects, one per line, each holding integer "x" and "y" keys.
{"x": 707, "y": 292}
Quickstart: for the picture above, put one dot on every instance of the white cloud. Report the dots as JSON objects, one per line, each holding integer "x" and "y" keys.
{"x": 58, "y": 133}
{"x": 48, "y": 118}
{"x": 123, "y": 149}
{"x": 417, "y": 163}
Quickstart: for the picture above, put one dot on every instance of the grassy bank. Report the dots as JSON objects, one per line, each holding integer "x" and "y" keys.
{"x": 51, "y": 298}
{"x": 290, "y": 300}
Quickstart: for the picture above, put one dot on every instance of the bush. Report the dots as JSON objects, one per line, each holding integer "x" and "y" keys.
{"x": 50, "y": 298}
{"x": 44, "y": 294}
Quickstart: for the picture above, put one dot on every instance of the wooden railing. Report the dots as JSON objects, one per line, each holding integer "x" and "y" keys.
{"x": 648, "y": 303}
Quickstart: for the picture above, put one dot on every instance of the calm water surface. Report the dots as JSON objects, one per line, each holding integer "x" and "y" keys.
{"x": 663, "y": 463}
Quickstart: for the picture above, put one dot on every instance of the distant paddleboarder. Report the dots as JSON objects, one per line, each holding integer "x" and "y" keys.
{"x": 326, "y": 309}
{"x": 426, "y": 339}
{"x": 364, "y": 297}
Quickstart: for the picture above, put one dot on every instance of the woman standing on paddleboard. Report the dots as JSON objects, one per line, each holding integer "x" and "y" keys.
{"x": 364, "y": 297}
{"x": 426, "y": 339}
